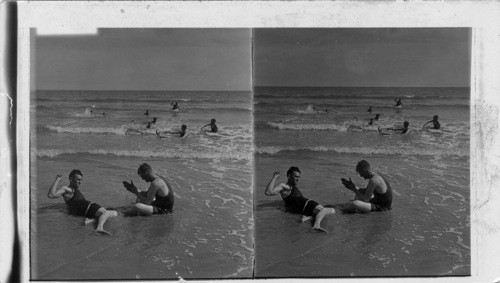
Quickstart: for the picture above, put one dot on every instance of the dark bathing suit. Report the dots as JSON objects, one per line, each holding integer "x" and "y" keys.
{"x": 163, "y": 204}
{"x": 298, "y": 203}
{"x": 382, "y": 202}
{"x": 79, "y": 206}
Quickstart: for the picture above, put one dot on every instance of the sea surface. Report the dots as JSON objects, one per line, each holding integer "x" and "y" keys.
{"x": 104, "y": 134}
{"x": 325, "y": 132}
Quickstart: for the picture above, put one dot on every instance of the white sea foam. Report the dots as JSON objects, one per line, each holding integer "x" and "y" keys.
{"x": 298, "y": 127}
{"x": 364, "y": 150}
{"x": 238, "y": 155}
{"x": 92, "y": 130}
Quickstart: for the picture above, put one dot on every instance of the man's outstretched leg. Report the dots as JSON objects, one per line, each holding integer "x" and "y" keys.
{"x": 322, "y": 212}
{"x": 105, "y": 214}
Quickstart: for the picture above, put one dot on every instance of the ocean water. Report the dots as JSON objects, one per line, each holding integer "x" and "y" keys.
{"x": 427, "y": 232}
{"x": 210, "y": 233}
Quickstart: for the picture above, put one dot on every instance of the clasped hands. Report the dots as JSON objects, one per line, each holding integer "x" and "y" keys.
{"x": 348, "y": 184}
{"x": 130, "y": 187}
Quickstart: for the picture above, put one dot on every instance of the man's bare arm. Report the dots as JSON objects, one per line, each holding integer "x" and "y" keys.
{"x": 54, "y": 192}
{"x": 271, "y": 189}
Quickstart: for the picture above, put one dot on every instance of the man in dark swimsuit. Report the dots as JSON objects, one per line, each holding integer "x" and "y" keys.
{"x": 213, "y": 127}
{"x": 435, "y": 123}
{"x": 158, "y": 199}
{"x": 76, "y": 202}
{"x": 294, "y": 199}
{"x": 378, "y": 187}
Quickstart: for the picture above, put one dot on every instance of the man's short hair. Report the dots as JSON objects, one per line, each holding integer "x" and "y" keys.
{"x": 75, "y": 172}
{"x": 293, "y": 169}
{"x": 144, "y": 168}
{"x": 362, "y": 166}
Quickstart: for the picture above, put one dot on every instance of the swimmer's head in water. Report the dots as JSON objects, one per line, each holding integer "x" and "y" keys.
{"x": 212, "y": 121}
{"x": 435, "y": 118}
{"x": 183, "y": 127}
{"x": 406, "y": 124}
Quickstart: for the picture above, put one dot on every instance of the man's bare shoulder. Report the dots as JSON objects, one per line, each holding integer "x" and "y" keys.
{"x": 284, "y": 186}
{"x": 66, "y": 189}
{"x": 378, "y": 181}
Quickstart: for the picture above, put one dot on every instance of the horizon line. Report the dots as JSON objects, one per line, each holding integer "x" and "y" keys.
{"x": 261, "y": 86}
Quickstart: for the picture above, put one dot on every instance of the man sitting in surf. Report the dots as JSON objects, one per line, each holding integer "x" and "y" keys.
{"x": 76, "y": 202}
{"x": 294, "y": 199}
{"x": 181, "y": 133}
{"x": 378, "y": 187}
{"x": 435, "y": 123}
{"x": 213, "y": 127}
{"x": 158, "y": 199}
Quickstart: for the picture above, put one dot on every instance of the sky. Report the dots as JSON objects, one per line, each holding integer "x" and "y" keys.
{"x": 363, "y": 57}
{"x": 221, "y": 59}
{"x": 144, "y": 59}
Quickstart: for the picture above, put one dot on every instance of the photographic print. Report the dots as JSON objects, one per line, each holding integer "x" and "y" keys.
{"x": 362, "y": 152}
{"x": 253, "y": 140}
{"x": 141, "y": 154}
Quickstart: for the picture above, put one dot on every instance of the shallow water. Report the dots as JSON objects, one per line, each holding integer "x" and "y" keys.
{"x": 427, "y": 232}
{"x": 211, "y": 175}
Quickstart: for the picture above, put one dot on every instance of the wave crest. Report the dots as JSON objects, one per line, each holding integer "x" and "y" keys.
{"x": 365, "y": 151}
{"x": 298, "y": 127}
{"x": 237, "y": 154}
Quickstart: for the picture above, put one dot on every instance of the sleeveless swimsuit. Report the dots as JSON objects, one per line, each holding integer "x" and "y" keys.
{"x": 79, "y": 206}
{"x": 382, "y": 202}
{"x": 164, "y": 204}
{"x": 213, "y": 129}
{"x": 298, "y": 203}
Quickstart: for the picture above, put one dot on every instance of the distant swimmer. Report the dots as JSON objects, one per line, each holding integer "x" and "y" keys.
{"x": 89, "y": 111}
{"x": 369, "y": 109}
{"x": 396, "y": 130}
{"x": 147, "y": 113}
{"x": 175, "y": 106}
{"x": 154, "y": 120}
{"x": 294, "y": 199}
{"x": 377, "y": 186}
{"x": 435, "y": 123}
{"x": 76, "y": 202}
{"x": 158, "y": 199}
{"x": 148, "y": 125}
{"x": 361, "y": 127}
{"x": 213, "y": 127}
{"x": 182, "y": 133}
{"x": 377, "y": 116}
{"x": 399, "y": 103}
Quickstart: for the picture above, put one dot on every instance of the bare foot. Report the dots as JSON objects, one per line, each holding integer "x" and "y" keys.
{"x": 305, "y": 218}
{"x": 102, "y": 231}
{"x": 319, "y": 229}
{"x": 88, "y": 220}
